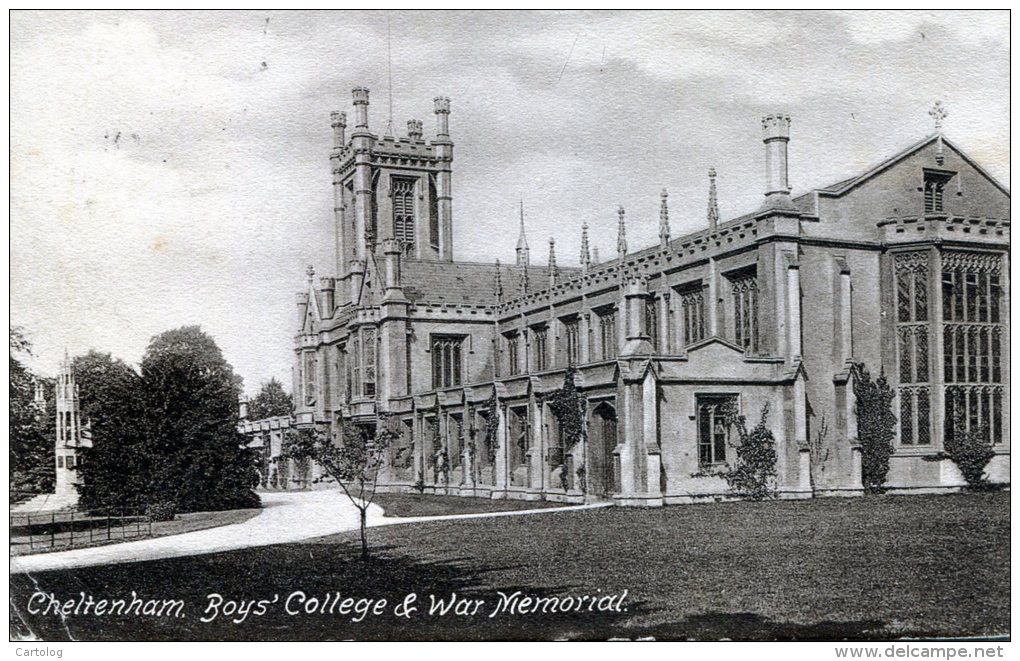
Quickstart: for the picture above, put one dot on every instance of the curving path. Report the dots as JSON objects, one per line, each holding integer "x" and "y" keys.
{"x": 286, "y": 517}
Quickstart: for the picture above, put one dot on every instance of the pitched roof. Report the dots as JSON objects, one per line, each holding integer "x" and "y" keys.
{"x": 847, "y": 184}
{"x": 469, "y": 283}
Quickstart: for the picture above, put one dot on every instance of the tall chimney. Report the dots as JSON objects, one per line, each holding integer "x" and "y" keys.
{"x": 360, "y": 108}
{"x": 338, "y": 120}
{"x": 327, "y": 290}
{"x": 776, "y": 135}
{"x": 442, "y": 117}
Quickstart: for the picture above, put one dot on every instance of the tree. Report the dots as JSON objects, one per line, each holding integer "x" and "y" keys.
{"x": 32, "y": 433}
{"x": 114, "y": 470}
{"x": 354, "y": 464}
{"x": 970, "y": 450}
{"x": 876, "y": 425}
{"x": 753, "y": 474}
{"x": 190, "y": 405}
{"x": 271, "y": 401}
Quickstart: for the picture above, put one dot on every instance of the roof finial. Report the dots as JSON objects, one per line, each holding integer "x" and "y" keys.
{"x": 554, "y": 271}
{"x": 523, "y": 253}
{"x": 389, "y": 73}
{"x": 664, "y": 220}
{"x": 585, "y": 254}
{"x": 621, "y": 235}
{"x": 713, "y": 201}
{"x": 938, "y": 113}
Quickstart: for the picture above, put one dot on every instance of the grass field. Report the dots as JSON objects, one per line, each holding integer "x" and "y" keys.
{"x": 833, "y": 569}
{"x": 414, "y": 504}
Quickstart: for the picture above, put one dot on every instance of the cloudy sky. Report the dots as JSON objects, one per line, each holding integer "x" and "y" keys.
{"x": 172, "y": 168}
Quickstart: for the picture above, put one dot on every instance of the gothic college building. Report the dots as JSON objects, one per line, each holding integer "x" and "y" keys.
{"x": 903, "y": 268}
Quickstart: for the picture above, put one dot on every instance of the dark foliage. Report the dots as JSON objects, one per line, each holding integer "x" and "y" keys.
{"x": 115, "y": 468}
{"x": 969, "y": 450}
{"x": 876, "y": 426}
{"x": 271, "y": 401}
{"x": 32, "y": 433}
{"x": 753, "y": 474}
{"x": 190, "y": 404}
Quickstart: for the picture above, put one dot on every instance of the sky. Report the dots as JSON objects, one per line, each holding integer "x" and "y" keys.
{"x": 171, "y": 168}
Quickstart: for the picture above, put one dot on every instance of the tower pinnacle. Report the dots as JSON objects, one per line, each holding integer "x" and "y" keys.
{"x": 621, "y": 235}
{"x": 664, "y": 220}
{"x": 585, "y": 254}
{"x": 713, "y": 202}
{"x": 523, "y": 253}
{"x": 554, "y": 272}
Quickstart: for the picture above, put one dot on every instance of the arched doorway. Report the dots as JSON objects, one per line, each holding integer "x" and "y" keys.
{"x": 601, "y": 477}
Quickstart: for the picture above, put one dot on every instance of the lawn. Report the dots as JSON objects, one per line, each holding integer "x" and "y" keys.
{"x": 866, "y": 568}
{"x": 413, "y": 504}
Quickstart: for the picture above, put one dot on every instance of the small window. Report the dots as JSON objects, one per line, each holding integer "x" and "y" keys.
{"x": 60, "y": 461}
{"x": 403, "y": 213}
{"x": 652, "y": 322}
{"x": 744, "y": 290}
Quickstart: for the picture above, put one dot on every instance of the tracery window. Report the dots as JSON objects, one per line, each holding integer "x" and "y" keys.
{"x": 403, "y": 213}
{"x": 713, "y": 429}
{"x": 972, "y": 342}
{"x": 368, "y": 362}
{"x": 692, "y": 306}
{"x": 433, "y": 215}
{"x": 447, "y": 360}
{"x": 572, "y": 339}
{"x": 513, "y": 353}
{"x": 540, "y": 345}
{"x": 912, "y": 331}
{"x": 744, "y": 289}
{"x": 652, "y": 322}
{"x": 310, "y": 377}
{"x": 607, "y": 333}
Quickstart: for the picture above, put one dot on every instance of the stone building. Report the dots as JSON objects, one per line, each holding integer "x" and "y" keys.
{"x": 903, "y": 268}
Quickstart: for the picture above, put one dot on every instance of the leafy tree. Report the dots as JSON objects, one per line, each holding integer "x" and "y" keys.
{"x": 190, "y": 403}
{"x": 115, "y": 468}
{"x": 753, "y": 474}
{"x": 271, "y": 401}
{"x": 354, "y": 464}
{"x": 567, "y": 404}
{"x": 969, "y": 450}
{"x": 32, "y": 433}
{"x": 876, "y": 425}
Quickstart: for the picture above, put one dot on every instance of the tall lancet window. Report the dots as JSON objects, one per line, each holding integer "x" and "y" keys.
{"x": 744, "y": 287}
{"x": 403, "y": 213}
{"x": 912, "y": 347}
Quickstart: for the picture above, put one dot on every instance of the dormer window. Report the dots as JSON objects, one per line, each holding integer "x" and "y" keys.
{"x": 934, "y": 189}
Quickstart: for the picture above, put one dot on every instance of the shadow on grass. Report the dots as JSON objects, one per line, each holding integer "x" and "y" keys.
{"x": 321, "y": 570}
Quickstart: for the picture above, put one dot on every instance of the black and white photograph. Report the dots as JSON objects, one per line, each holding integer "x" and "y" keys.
{"x": 452, "y": 325}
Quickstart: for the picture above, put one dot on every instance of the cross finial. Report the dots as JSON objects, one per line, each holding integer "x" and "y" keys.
{"x": 938, "y": 113}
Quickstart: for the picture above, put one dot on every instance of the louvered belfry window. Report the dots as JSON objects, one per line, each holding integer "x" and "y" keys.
{"x": 403, "y": 213}
{"x": 912, "y": 342}
{"x": 972, "y": 343}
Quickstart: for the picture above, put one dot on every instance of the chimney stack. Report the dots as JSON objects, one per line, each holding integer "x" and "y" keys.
{"x": 414, "y": 129}
{"x": 442, "y": 117}
{"x": 327, "y": 289}
{"x": 776, "y": 135}
{"x": 338, "y": 120}
{"x": 360, "y": 108}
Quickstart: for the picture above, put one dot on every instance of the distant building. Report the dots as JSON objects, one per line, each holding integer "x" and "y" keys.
{"x": 903, "y": 267}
